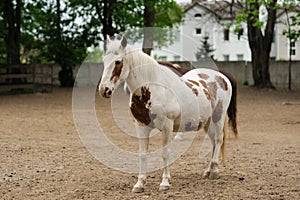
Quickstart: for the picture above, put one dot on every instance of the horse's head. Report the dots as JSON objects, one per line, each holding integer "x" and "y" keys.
{"x": 114, "y": 69}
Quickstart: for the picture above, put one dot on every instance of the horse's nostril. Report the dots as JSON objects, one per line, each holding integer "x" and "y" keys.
{"x": 105, "y": 89}
{"x": 109, "y": 92}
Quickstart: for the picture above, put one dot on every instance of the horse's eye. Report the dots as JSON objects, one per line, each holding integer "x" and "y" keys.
{"x": 117, "y": 62}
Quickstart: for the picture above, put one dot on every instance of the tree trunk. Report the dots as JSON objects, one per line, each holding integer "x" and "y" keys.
{"x": 12, "y": 17}
{"x": 260, "y": 45}
{"x": 149, "y": 18}
{"x": 290, "y": 70}
{"x": 105, "y": 17}
{"x": 66, "y": 76}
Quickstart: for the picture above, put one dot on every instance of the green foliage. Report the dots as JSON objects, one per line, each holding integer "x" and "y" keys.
{"x": 60, "y": 31}
{"x": 251, "y": 11}
{"x": 168, "y": 15}
{"x": 2, "y": 35}
{"x": 293, "y": 20}
{"x": 51, "y": 34}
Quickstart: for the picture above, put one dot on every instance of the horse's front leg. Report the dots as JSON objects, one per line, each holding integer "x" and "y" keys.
{"x": 166, "y": 137}
{"x": 143, "y": 137}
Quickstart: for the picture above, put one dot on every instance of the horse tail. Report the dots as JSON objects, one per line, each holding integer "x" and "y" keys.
{"x": 232, "y": 109}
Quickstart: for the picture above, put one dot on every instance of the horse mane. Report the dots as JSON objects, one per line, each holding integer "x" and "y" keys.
{"x": 139, "y": 58}
{"x": 136, "y": 57}
{"x": 177, "y": 69}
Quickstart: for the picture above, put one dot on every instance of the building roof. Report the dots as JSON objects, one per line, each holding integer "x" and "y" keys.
{"x": 225, "y": 10}
{"x": 222, "y": 9}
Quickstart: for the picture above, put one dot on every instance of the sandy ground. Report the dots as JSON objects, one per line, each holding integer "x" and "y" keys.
{"x": 42, "y": 157}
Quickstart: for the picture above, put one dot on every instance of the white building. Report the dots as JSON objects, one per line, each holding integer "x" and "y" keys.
{"x": 211, "y": 19}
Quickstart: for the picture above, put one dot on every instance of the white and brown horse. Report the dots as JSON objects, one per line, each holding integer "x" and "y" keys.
{"x": 161, "y": 99}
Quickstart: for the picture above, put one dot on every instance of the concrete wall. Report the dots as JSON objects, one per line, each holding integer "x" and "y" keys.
{"x": 90, "y": 72}
{"x": 243, "y": 71}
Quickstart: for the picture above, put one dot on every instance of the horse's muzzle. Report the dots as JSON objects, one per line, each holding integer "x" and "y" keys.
{"x": 106, "y": 92}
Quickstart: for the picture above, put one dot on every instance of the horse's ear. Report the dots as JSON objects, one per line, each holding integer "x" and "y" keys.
{"x": 124, "y": 41}
{"x": 108, "y": 40}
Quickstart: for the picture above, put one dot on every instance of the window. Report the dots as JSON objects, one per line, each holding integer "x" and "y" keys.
{"x": 198, "y": 15}
{"x": 293, "y": 44}
{"x": 177, "y": 35}
{"x": 240, "y": 33}
{"x": 198, "y": 31}
{"x": 293, "y": 48}
{"x": 162, "y": 58}
{"x": 226, "y": 57}
{"x": 176, "y": 58}
{"x": 293, "y": 52}
{"x": 240, "y": 57}
{"x": 226, "y": 34}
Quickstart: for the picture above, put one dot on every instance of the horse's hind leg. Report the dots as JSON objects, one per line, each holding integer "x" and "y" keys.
{"x": 143, "y": 137}
{"x": 215, "y": 132}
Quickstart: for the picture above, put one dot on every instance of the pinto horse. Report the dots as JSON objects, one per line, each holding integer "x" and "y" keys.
{"x": 160, "y": 99}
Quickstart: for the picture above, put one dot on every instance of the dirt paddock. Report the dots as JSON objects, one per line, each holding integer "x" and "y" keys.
{"x": 42, "y": 157}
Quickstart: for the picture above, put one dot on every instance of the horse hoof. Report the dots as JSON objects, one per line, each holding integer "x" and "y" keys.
{"x": 164, "y": 187}
{"x": 213, "y": 175}
{"x": 206, "y": 174}
{"x": 138, "y": 189}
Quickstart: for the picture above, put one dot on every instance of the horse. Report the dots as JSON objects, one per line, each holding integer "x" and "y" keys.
{"x": 160, "y": 99}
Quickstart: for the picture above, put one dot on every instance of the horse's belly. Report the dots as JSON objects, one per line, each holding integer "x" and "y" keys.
{"x": 194, "y": 118}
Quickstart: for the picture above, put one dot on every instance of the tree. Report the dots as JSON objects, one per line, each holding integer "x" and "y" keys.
{"x": 59, "y": 31}
{"x": 51, "y": 28}
{"x": 159, "y": 13}
{"x": 149, "y": 19}
{"x": 11, "y": 10}
{"x": 108, "y": 17}
{"x": 260, "y": 37}
{"x": 205, "y": 50}
{"x": 292, "y": 32}
{"x": 116, "y": 16}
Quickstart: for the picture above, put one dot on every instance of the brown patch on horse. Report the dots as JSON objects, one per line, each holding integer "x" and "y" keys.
{"x": 217, "y": 114}
{"x": 194, "y": 82}
{"x": 203, "y": 76}
{"x": 140, "y": 106}
{"x": 222, "y": 82}
{"x": 189, "y": 127}
{"x": 203, "y": 83}
{"x": 117, "y": 71}
{"x": 195, "y": 91}
{"x": 205, "y": 89}
{"x": 177, "y": 69}
{"x": 207, "y": 94}
{"x": 189, "y": 85}
{"x": 212, "y": 89}
{"x": 167, "y": 64}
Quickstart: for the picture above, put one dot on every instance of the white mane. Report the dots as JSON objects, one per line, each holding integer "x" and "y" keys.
{"x": 136, "y": 57}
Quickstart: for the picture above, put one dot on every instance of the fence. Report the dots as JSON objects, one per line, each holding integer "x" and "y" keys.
{"x": 35, "y": 76}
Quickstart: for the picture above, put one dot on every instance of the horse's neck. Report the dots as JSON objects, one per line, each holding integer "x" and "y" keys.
{"x": 143, "y": 70}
